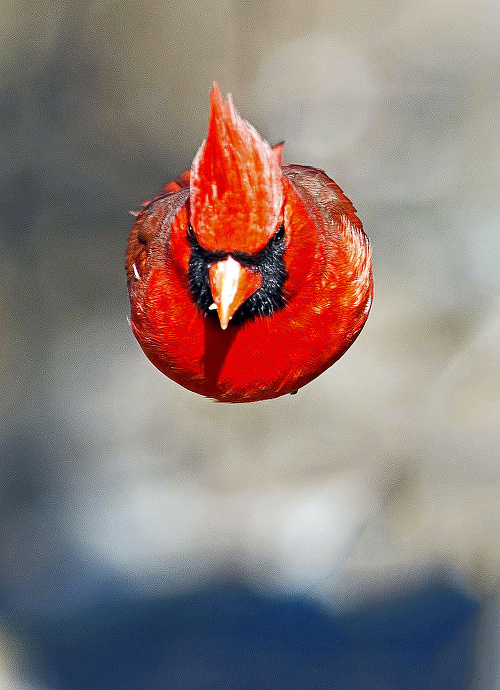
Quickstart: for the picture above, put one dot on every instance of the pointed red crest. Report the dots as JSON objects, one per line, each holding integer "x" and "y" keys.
{"x": 236, "y": 188}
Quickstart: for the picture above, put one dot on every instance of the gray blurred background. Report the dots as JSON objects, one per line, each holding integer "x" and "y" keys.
{"x": 377, "y": 474}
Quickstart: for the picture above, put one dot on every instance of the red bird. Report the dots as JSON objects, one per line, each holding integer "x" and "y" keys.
{"x": 247, "y": 279}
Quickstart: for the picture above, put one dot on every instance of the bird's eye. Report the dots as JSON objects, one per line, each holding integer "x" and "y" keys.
{"x": 190, "y": 234}
{"x": 280, "y": 234}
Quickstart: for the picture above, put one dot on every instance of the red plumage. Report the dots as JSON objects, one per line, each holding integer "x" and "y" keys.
{"x": 247, "y": 279}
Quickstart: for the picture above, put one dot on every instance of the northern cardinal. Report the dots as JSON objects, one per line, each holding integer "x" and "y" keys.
{"x": 247, "y": 278}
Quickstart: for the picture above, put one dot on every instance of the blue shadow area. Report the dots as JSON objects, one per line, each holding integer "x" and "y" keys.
{"x": 230, "y": 636}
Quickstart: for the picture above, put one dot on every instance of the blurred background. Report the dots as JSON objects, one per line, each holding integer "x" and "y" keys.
{"x": 346, "y": 537}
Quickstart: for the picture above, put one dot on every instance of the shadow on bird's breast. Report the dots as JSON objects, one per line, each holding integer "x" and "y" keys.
{"x": 217, "y": 344}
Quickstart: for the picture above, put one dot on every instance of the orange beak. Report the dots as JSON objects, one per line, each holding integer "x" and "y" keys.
{"x": 231, "y": 284}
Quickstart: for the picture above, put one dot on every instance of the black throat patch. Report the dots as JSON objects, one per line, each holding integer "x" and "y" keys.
{"x": 269, "y": 262}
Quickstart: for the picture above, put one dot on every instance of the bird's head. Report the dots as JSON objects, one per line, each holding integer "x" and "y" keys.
{"x": 236, "y": 218}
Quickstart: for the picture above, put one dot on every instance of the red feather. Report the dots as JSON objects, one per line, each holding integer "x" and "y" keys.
{"x": 286, "y": 303}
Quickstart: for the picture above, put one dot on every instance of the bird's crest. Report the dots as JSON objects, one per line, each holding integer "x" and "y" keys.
{"x": 235, "y": 188}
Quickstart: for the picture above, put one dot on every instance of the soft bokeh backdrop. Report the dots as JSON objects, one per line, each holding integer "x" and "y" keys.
{"x": 384, "y": 469}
